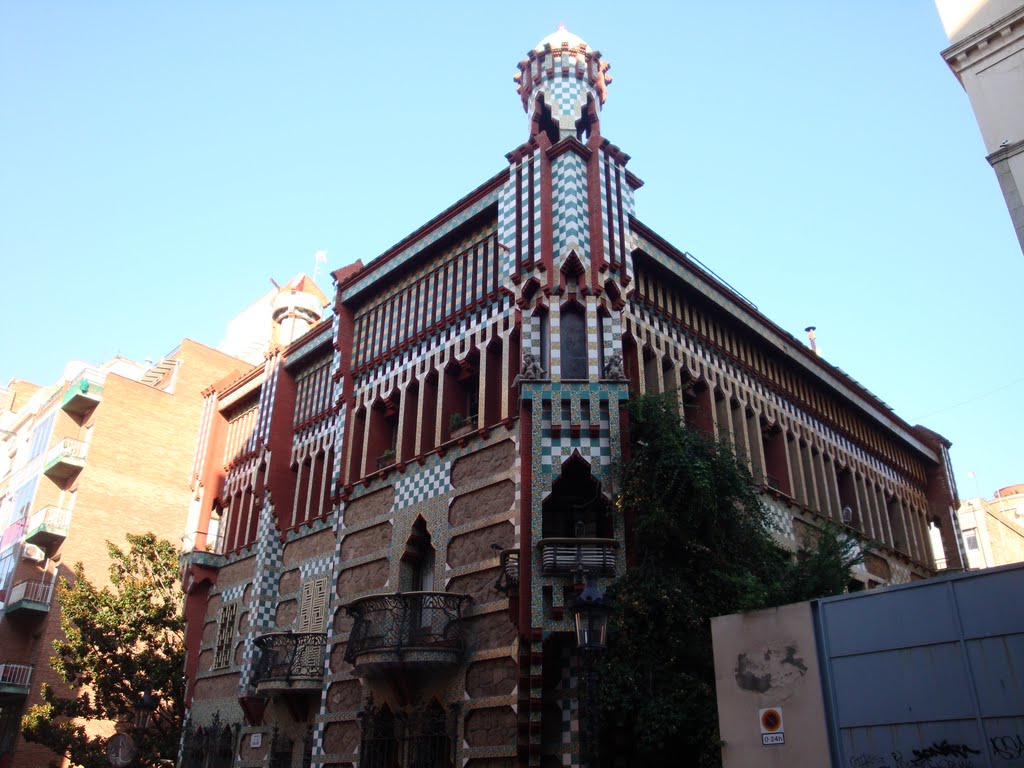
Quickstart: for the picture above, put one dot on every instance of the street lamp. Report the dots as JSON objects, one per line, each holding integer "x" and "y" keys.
{"x": 145, "y": 706}
{"x": 122, "y": 749}
{"x": 590, "y": 613}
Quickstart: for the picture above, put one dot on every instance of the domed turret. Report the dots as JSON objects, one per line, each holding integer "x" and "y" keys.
{"x": 563, "y": 84}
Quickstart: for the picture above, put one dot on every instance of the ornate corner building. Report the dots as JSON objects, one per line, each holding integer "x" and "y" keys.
{"x": 395, "y": 509}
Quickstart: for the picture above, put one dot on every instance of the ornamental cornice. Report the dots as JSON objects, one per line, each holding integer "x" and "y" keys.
{"x": 1005, "y": 153}
{"x": 986, "y": 42}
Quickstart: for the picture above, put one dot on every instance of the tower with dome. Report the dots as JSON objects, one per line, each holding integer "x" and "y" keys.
{"x": 397, "y": 509}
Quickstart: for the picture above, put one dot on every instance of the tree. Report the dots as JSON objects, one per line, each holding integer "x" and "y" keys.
{"x": 117, "y": 641}
{"x": 704, "y": 548}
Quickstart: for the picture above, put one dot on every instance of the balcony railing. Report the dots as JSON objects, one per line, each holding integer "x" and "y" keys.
{"x": 290, "y": 660}
{"x": 508, "y": 576}
{"x": 47, "y": 525}
{"x": 31, "y": 595}
{"x": 389, "y": 627}
{"x": 15, "y": 678}
{"x": 566, "y": 555}
{"x": 84, "y": 392}
{"x": 65, "y": 459}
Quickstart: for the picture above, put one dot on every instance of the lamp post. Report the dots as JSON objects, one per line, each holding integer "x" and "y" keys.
{"x": 122, "y": 749}
{"x": 590, "y": 613}
{"x": 145, "y": 706}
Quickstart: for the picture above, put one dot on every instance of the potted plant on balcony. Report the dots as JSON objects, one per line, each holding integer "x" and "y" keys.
{"x": 459, "y": 425}
{"x": 386, "y": 459}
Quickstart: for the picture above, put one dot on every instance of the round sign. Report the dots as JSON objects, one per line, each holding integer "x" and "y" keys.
{"x": 771, "y": 720}
{"x": 121, "y": 750}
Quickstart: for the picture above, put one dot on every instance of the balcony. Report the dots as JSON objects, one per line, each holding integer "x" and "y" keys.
{"x": 30, "y": 597}
{"x": 508, "y": 575}
{"x": 568, "y": 555}
{"x": 289, "y": 661}
{"x": 65, "y": 460}
{"x": 416, "y": 631}
{"x": 84, "y": 393}
{"x": 15, "y": 678}
{"x": 47, "y": 525}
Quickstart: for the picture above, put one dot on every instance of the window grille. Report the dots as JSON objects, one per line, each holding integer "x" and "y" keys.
{"x": 225, "y": 636}
{"x": 418, "y": 739}
{"x": 313, "y": 607}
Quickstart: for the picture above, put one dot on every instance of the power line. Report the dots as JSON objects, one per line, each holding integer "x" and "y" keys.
{"x": 970, "y": 400}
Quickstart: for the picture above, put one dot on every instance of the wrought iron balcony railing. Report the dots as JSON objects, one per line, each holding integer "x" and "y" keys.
{"x": 290, "y": 660}
{"x": 15, "y": 678}
{"x": 395, "y": 624}
{"x": 48, "y": 524}
{"x": 565, "y": 555}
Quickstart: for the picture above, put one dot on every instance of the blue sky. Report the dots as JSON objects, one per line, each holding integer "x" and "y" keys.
{"x": 160, "y": 162}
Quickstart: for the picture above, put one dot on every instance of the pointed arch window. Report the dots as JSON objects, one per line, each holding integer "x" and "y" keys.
{"x": 572, "y": 337}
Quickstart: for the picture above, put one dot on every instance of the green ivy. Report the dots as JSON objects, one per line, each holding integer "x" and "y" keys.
{"x": 703, "y": 546}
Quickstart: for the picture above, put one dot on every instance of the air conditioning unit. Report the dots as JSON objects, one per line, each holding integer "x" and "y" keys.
{"x": 33, "y": 553}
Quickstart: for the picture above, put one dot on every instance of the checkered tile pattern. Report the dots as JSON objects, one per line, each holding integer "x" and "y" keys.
{"x": 611, "y": 328}
{"x": 417, "y": 487}
{"x": 319, "y": 566}
{"x": 593, "y": 341}
{"x": 569, "y": 208}
{"x": 531, "y": 336}
{"x": 554, "y": 343}
{"x": 267, "y": 570}
{"x": 595, "y": 450}
{"x": 900, "y": 572}
{"x": 232, "y": 593}
{"x": 781, "y": 519}
{"x": 566, "y": 96}
{"x": 507, "y": 227}
{"x": 513, "y": 214}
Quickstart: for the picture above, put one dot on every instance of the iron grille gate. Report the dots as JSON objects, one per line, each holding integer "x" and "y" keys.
{"x": 212, "y": 746}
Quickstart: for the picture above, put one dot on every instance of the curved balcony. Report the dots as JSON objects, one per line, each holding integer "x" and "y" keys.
{"x": 289, "y": 661}
{"x": 568, "y": 555}
{"x": 413, "y": 630}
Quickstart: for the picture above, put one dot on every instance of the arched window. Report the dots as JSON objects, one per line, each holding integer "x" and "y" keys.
{"x": 576, "y": 506}
{"x": 573, "y": 342}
